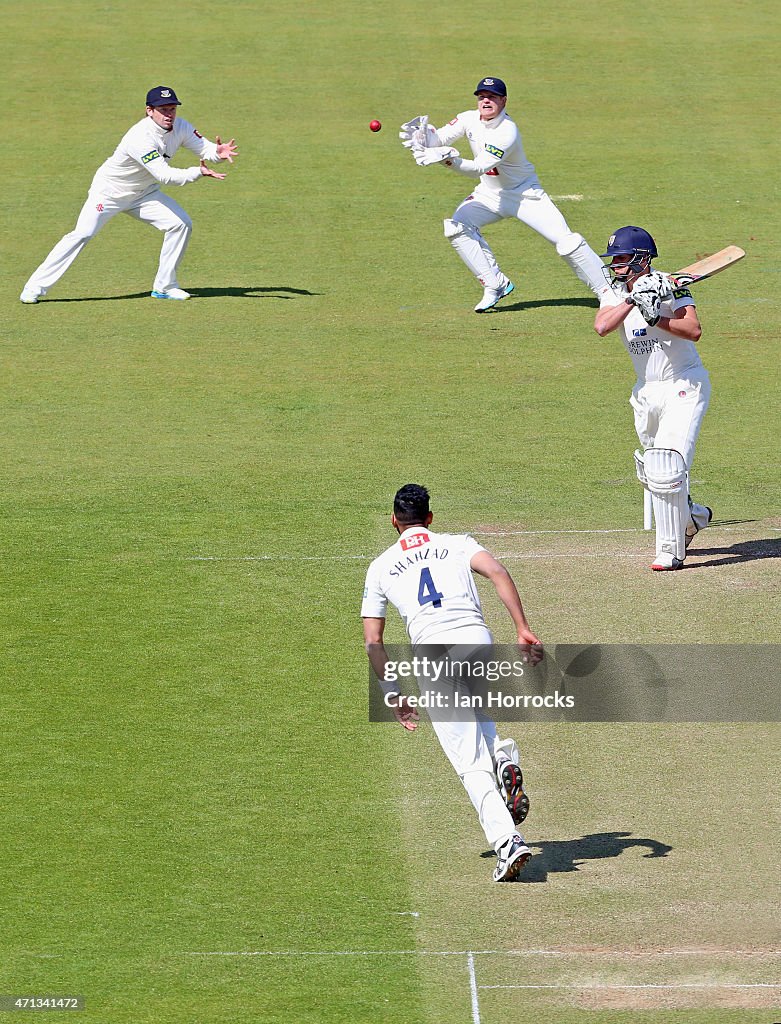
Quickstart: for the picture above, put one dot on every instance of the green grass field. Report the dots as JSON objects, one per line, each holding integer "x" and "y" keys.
{"x": 193, "y": 491}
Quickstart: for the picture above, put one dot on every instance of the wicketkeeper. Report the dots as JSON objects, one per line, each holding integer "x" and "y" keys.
{"x": 659, "y": 326}
{"x": 508, "y": 187}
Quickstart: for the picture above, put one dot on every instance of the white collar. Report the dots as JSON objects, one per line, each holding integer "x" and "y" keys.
{"x": 495, "y": 121}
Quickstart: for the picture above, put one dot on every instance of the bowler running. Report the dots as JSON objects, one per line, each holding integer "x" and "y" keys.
{"x": 435, "y": 595}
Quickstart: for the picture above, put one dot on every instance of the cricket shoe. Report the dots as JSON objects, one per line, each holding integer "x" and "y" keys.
{"x": 172, "y": 293}
{"x": 510, "y": 779}
{"x": 493, "y": 295}
{"x": 30, "y": 296}
{"x": 666, "y": 563}
{"x": 700, "y": 518}
{"x": 511, "y": 858}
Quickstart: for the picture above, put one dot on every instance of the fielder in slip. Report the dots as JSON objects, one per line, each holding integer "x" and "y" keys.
{"x": 435, "y": 595}
{"x": 508, "y": 187}
{"x": 129, "y": 182}
{"x": 659, "y": 326}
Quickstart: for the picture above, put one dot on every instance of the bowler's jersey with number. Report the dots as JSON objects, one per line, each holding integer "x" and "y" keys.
{"x": 497, "y": 148}
{"x": 657, "y": 355}
{"x": 140, "y": 161}
{"x": 427, "y": 577}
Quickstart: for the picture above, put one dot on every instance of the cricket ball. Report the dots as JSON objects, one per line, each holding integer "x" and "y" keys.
{"x": 375, "y": 126}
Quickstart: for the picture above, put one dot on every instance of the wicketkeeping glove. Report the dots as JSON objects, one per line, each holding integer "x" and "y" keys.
{"x": 410, "y": 129}
{"x": 424, "y": 156}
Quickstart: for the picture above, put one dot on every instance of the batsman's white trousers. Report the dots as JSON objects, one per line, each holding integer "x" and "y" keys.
{"x": 470, "y": 744}
{"x": 668, "y": 413}
{"x": 153, "y": 207}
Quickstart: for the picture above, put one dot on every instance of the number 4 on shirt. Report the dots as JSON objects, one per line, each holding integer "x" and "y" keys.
{"x": 427, "y": 592}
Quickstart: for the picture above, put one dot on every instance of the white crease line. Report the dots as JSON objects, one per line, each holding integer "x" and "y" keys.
{"x": 368, "y": 558}
{"x": 587, "y": 986}
{"x": 470, "y": 963}
{"x": 576, "y": 197}
{"x": 278, "y": 558}
{"x": 535, "y": 533}
{"x": 611, "y": 953}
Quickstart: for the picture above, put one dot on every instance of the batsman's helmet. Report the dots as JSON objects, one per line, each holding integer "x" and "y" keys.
{"x": 635, "y": 241}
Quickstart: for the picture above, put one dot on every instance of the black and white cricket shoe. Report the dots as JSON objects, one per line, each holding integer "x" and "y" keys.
{"x": 700, "y": 520}
{"x": 511, "y": 858}
{"x": 510, "y": 779}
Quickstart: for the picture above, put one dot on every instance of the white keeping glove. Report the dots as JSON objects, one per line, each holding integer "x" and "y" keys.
{"x": 427, "y": 155}
{"x": 411, "y": 128}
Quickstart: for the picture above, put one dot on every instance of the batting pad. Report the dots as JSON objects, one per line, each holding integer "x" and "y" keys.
{"x": 640, "y": 468}
{"x": 665, "y": 473}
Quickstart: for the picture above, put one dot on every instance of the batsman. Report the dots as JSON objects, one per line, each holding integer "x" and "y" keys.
{"x": 659, "y": 326}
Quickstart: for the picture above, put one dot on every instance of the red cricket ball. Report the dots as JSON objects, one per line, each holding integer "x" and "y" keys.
{"x": 375, "y": 126}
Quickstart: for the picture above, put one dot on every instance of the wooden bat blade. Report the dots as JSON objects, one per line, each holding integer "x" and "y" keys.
{"x": 710, "y": 265}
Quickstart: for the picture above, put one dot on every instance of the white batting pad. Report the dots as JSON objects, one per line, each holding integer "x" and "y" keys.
{"x": 665, "y": 473}
{"x": 640, "y": 468}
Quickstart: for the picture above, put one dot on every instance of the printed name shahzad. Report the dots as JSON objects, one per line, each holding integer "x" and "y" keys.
{"x": 427, "y": 554}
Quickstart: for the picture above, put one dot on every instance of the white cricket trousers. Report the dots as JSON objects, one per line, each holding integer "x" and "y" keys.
{"x": 669, "y": 413}
{"x": 535, "y": 208}
{"x": 470, "y": 745}
{"x": 154, "y": 208}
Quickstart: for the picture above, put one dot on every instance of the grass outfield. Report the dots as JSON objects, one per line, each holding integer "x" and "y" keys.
{"x": 193, "y": 492}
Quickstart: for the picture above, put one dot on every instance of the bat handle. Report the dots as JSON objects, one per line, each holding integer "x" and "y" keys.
{"x": 682, "y": 280}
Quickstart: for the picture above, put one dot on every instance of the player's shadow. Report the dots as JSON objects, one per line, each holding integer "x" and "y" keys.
{"x": 559, "y": 856}
{"x": 269, "y": 292}
{"x": 745, "y": 551}
{"x": 252, "y": 293}
{"x": 516, "y": 307}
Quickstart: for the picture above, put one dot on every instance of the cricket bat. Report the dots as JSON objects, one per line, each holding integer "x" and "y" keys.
{"x": 711, "y": 265}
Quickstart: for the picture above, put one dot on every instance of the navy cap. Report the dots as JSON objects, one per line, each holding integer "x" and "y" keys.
{"x": 494, "y": 85}
{"x": 161, "y": 96}
{"x": 630, "y": 240}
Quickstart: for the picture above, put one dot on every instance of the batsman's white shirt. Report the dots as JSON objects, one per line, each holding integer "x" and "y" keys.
{"x": 657, "y": 354}
{"x": 499, "y": 158}
{"x": 427, "y": 577}
{"x": 140, "y": 161}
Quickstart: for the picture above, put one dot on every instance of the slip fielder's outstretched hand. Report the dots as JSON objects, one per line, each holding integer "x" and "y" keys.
{"x": 207, "y": 172}
{"x": 226, "y": 150}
